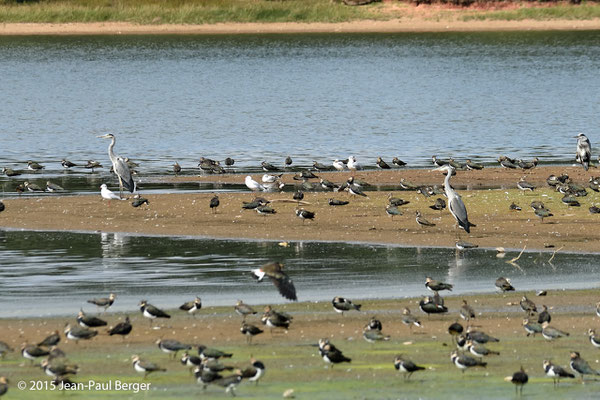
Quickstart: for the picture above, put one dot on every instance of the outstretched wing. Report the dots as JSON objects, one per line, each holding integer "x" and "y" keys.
{"x": 122, "y": 170}
{"x": 284, "y": 284}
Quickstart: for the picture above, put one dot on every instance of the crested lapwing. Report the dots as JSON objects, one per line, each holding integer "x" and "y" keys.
{"x": 5, "y": 348}
{"x": 409, "y": 320}
{"x": 57, "y": 369}
{"x": 504, "y": 284}
{"x": 392, "y": 210}
{"x": 463, "y": 245}
{"x": 78, "y": 333}
{"x": 480, "y": 337}
{"x": 581, "y": 366}
{"x": 283, "y": 283}
{"x": 527, "y": 305}
{"x": 53, "y": 187}
{"x": 439, "y": 204}
{"x": 374, "y": 324}
{"x": 104, "y": 302}
{"x": 594, "y": 183}
{"x": 584, "y": 151}
{"x": 204, "y": 376}
{"x": 304, "y": 214}
{"x": 473, "y": 165}
{"x": 542, "y": 213}
{"x": 398, "y": 162}
{"x": 34, "y": 166}
{"x": 254, "y": 372}
{"x": 570, "y": 201}
{"x": 332, "y": 355}
{"x": 514, "y": 207}
{"x": 335, "y": 202}
{"x": 92, "y": 165}
{"x": 429, "y": 306}
{"x": 151, "y": 312}
{"x": 304, "y": 175}
{"x": 243, "y": 309}
{"x": 321, "y": 167}
{"x": 190, "y": 361}
{"x": 461, "y": 342}
{"x": 138, "y": 201}
{"x": 422, "y": 221}
{"x": 342, "y": 304}
{"x": 50, "y": 340}
{"x": 505, "y": 162}
{"x": 10, "y": 172}
{"x": 3, "y": 385}
{"x": 122, "y": 328}
{"x": 214, "y": 203}
{"x": 55, "y": 353}
{"x": 288, "y": 161}
{"x": 32, "y": 187}
{"x": 382, "y": 164}
{"x": 555, "y": 372}
{"x": 86, "y": 321}
{"x": 355, "y": 190}
{"x": 528, "y": 164}
{"x": 466, "y": 311}
{"x": 172, "y": 346}
{"x": 396, "y": 201}
{"x": 436, "y": 286}
{"x": 595, "y": 341}
{"x": 31, "y": 352}
{"x": 374, "y": 335}
{"x": 438, "y": 161}
{"x": 230, "y": 382}
{"x": 594, "y": 210}
{"x": 464, "y": 361}
{"x": 544, "y": 315}
{"x": 268, "y": 167}
{"x": 145, "y": 367}
{"x": 212, "y": 354}
{"x": 265, "y": 210}
{"x": 250, "y": 331}
{"x": 532, "y": 328}
{"x": 407, "y": 367}
{"x": 298, "y": 196}
{"x": 257, "y": 202}
{"x": 525, "y": 186}
{"x": 551, "y": 333}
{"x": 176, "y": 168}
{"x": 191, "y": 307}
{"x": 479, "y": 350}
{"x": 455, "y": 329}
{"x": 519, "y": 379}
{"x": 274, "y": 319}
{"x": 214, "y": 365}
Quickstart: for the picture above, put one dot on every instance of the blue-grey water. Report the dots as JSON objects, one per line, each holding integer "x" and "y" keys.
{"x": 54, "y": 273}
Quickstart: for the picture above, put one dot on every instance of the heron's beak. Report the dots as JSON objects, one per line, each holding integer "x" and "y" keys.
{"x": 102, "y": 136}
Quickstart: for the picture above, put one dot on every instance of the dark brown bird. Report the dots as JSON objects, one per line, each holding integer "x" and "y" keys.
{"x": 283, "y": 283}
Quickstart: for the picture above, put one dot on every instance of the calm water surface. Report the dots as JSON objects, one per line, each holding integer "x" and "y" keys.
{"x": 46, "y": 273}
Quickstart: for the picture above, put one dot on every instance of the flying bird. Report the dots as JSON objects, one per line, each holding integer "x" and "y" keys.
{"x": 274, "y": 271}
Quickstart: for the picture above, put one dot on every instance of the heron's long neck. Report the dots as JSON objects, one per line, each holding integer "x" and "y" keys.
{"x": 111, "y": 146}
{"x": 447, "y": 180}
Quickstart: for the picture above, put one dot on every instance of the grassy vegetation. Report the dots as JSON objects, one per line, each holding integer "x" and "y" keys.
{"x": 585, "y": 11}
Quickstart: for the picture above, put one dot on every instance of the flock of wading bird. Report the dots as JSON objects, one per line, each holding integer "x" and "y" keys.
{"x": 207, "y": 367}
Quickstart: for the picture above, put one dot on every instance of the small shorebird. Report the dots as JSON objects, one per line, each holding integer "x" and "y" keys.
{"x": 58, "y": 369}
{"x": 208, "y": 353}
{"x": 398, "y": 162}
{"x": 10, "y": 172}
{"x": 139, "y": 201}
{"x": 473, "y": 165}
{"x": 436, "y": 286}
{"x": 32, "y": 187}
{"x": 479, "y": 350}
{"x": 191, "y": 307}
{"x": 581, "y": 366}
{"x": 274, "y": 319}
{"x": 92, "y": 165}
{"x": 172, "y": 346}
{"x": 229, "y": 161}
{"x": 86, "y": 321}
{"x": 332, "y": 355}
{"x": 519, "y": 379}
{"x": 283, "y": 283}
{"x": 555, "y": 372}
{"x": 243, "y": 309}
{"x": 382, "y": 164}
{"x": 409, "y": 319}
{"x": 532, "y": 328}
{"x": 50, "y": 340}
{"x": 429, "y": 306}
{"x": 151, "y": 312}
{"x": 104, "y": 302}
{"x": 77, "y": 333}
{"x": 33, "y": 166}
{"x": 480, "y": 337}
{"x": 335, "y": 202}
{"x": 304, "y": 214}
{"x": 250, "y": 331}
{"x": 392, "y": 210}
{"x": 31, "y": 352}
{"x": 254, "y": 372}
{"x": 342, "y": 304}
{"x": 288, "y": 161}
{"x": 374, "y": 335}
{"x": 584, "y": 151}
{"x": 268, "y": 167}
{"x": 176, "y": 168}
{"x": 67, "y": 164}
{"x": 439, "y": 204}
{"x": 53, "y": 187}
{"x": 466, "y": 311}
{"x": 544, "y": 315}
{"x": 321, "y": 167}
{"x": 407, "y": 367}
{"x": 550, "y": 333}
{"x": 422, "y": 221}
{"x": 464, "y": 361}
{"x": 527, "y": 305}
{"x": 214, "y": 203}
{"x": 524, "y": 185}
{"x": 122, "y": 328}
{"x": 594, "y": 340}
{"x": 145, "y": 367}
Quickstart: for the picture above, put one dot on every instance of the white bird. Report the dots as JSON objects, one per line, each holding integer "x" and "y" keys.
{"x": 107, "y": 194}
{"x": 337, "y": 164}
{"x": 267, "y": 178}
{"x": 353, "y": 165}
{"x": 252, "y": 184}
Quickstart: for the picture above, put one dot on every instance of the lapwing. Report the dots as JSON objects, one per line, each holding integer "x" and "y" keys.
{"x": 525, "y": 186}
{"x": 34, "y": 166}
{"x": 176, "y": 168}
{"x": 519, "y": 379}
{"x": 332, "y": 355}
{"x": 172, "y": 346}
{"x": 374, "y": 324}
{"x": 409, "y": 319}
{"x": 92, "y": 165}
{"x": 86, "y": 321}
{"x": 335, "y": 202}
{"x": 139, "y": 201}
{"x": 229, "y": 161}
{"x": 58, "y": 369}
{"x": 243, "y": 309}
{"x": 252, "y": 184}
{"x": 463, "y": 245}
{"x": 254, "y": 372}
{"x": 594, "y": 210}
{"x": 50, "y": 340}
{"x": 392, "y": 210}
{"x": 274, "y": 319}
{"x": 382, "y": 164}
{"x": 342, "y": 304}
{"x": 53, "y": 187}
{"x": 55, "y": 353}
{"x": 514, "y": 207}
{"x": 265, "y": 210}
{"x": 504, "y": 284}
{"x": 283, "y": 283}
{"x": 374, "y": 335}
{"x": 298, "y": 196}
{"x": 145, "y": 367}
{"x": 10, "y": 172}
{"x": 570, "y": 201}
{"x": 321, "y": 167}
{"x": 581, "y": 366}
{"x": 192, "y": 307}
{"x": 480, "y": 337}
{"x": 438, "y": 161}
{"x": 527, "y": 305}
{"x": 5, "y": 348}
{"x": 551, "y": 333}
{"x": 480, "y": 350}
{"x": 532, "y": 328}
{"x": 544, "y": 315}
{"x": 104, "y": 302}
{"x": 422, "y": 221}
{"x": 537, "y": 205}
{"x": 214, "y": 365}
{"x": 528, "y": 164}
{"x": 78, "y": 333}
{"x": 230, "y": 382}
{"x": 304, "y": 214}
{"x": 207, "y": 353}
{"x": 328, "y": 185}
{"x": 304, "y": 175}
{"x": 436, "y": 286}
{"x": 428, "y": 306}
{"x": 3, "y": 385}
{"x": 250, "y": 331}
{"x": 268, "y": 167}
{"x": 122, "y": 328}
{"x": 252, "y": 205}
{"x": 466, "y": 311}
{"x": 190, "y": 361}
{"x": 594, "y": 184}
{"x": 32, "y": 187}
{"x": 288, "y": 161}
{"x": 355, "y": 190}
{"x": 464, "y": 361}
{"x": 461, "y": 342}
{"x": 505, "y": 162}
{"x": 31, "y": 352}
{"x": 151, "y": 312}
{"x": 439, "y": 204}
{"x": 584, "y": 151}
{"x": 396, "y": 201}
{"x": 455, "y": 329}
{"x": 594, "y": 340}
{"x": 542, "y": 213}
{"x": 555, "y": 372}
{"x": 398, "y": 162}
{"x": 214, "y": 203}
{"x": 473, "y": 165}
{"x": 407, "y": 367}
{"x": 205, "y": 377}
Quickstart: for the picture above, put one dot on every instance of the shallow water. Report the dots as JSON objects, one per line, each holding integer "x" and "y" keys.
{"x": 53, "y": 273}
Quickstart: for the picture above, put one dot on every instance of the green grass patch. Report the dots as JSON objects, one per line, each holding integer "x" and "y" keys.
{"x": 585, "y": 11}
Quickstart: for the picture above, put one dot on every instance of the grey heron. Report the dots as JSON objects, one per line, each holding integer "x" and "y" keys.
{"x": 584, "y": 151}
{"x": 455, "y": 204}
{"x": 120, "y": 166}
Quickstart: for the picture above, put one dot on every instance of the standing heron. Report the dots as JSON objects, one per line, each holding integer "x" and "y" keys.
{"x": 584, "y": 151}
{"x": 120, "y": 167}
{"x": 455, "y": 204}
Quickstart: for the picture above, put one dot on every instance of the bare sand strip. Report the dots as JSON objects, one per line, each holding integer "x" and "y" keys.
{"x": 395, "y": 25}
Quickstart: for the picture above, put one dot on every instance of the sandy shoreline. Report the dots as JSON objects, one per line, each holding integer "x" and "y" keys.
{"x": 397, "y": 25}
